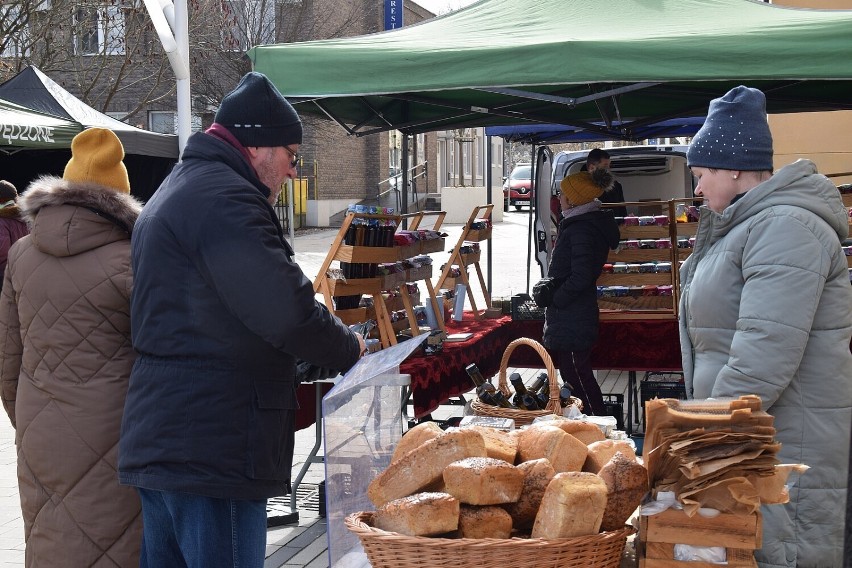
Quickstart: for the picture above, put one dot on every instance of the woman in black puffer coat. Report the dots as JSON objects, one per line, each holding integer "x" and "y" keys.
{"x": 586, "y": 234}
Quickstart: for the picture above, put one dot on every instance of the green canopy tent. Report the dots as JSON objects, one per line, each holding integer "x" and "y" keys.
{"x": 23, "y": 128}
{"x": 573, "y": 63}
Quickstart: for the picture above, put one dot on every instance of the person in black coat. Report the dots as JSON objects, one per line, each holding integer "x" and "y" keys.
{"x": 586, "y": 234}
{"x": 220, "y": 315}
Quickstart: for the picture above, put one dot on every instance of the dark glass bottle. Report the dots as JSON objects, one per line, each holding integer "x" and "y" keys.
{"x": 523, "y": 398}
{"x": 565, "y": 394}
{"x": 486, "y": 392}
{"x": 542, "y": 394}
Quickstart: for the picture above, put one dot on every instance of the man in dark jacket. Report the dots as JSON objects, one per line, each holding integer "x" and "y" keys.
{"x": 586, "y": 234}
{"x": 599, "y": 159}
{"x": 220, "y": 313}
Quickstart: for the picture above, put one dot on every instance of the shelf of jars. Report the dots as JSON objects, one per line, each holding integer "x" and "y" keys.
{"x": 376, "y": 258}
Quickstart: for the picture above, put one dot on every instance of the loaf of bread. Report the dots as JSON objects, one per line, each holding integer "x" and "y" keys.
{"x": 584, "y": 431}
{"x": 573, "y": 505}
{"x": 564, "y": 451}
{"x": 498, "y": 443}
{"x": 484, "y": 522}
{"x": 421, "y": 433}
{"x": 627, "y": 482}
{"x": 483, "y": 481}
{"x": 422, "y": 514}
{"x": 537, "y": 475}
{"x": 424, "y": 465}
{"x": 601, "y": 452}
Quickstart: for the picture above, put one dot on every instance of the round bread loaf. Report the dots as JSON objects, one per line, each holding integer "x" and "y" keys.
{"x": 601, "y": 452}
{"x": 484, "y": 522}
{"x": 573, "y": 505}
{"x": 565, "y": 452}
{"x": 537, "y": 475}
{"x": 483, "y": 481}
{"x": 627, "y": 482}
{"x": 498, "y": 443}
{"x": 421, "y": 514}
{"x": 584, "y": 431}
{"x": 417, "y": 435}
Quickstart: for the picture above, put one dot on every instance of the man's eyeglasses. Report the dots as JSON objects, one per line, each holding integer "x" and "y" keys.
{"x": 296, "y": 157}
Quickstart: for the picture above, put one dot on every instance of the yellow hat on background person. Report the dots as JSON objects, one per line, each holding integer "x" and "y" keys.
{"x": 96, "y": 157}
{"x": 583, "y": 187}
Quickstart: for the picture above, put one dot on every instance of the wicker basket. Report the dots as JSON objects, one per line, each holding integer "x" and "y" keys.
{"x": 393, "y": 550}
{"x": 522, "y": 417}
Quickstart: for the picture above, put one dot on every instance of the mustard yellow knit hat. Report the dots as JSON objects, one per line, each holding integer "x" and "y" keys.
{"x": 583, "y": 187}
{"x": 96, "y": 157}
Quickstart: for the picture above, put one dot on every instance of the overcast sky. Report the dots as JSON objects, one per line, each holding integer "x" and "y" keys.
{"x": 439, "y": 7}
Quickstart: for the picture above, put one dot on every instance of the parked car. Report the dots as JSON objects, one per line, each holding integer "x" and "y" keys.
{"x": 517, "y": 188}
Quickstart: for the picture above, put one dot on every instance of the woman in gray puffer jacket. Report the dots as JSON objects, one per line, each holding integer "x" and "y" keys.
{"x": 766, "y": 309}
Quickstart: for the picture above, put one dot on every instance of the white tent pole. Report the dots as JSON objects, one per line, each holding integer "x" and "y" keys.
{"x": 184, "y": 103}
{"x": 172, "y": 26}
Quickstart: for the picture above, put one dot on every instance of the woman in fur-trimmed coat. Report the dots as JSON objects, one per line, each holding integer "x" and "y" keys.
{"x": 66, "y": 359}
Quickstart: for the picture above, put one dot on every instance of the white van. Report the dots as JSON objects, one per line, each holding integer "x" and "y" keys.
{"x": 646, "y": 173}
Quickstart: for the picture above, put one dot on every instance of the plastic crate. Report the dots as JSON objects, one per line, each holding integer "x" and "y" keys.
{"x": 524, "y": 308}
{"x": 614, "y": 403}
{"x": 662, "y": 385}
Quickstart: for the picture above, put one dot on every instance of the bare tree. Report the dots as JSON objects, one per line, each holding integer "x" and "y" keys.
{"x": 221, "y": 31}
{"x": 101, "y": 51}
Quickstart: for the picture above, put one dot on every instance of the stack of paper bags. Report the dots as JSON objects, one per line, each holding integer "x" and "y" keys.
{"x": 718, "y": 454}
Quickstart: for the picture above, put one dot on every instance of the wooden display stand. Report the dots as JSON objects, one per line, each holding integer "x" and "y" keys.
{"x": 741, "y": 535}
{"x": 650, "y": 306}
{"x": 330, "y": 287}
{"x": 457, "y": 258}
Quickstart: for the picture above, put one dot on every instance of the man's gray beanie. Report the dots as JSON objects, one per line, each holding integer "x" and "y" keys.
{"x": 735, "y": 135}
{"x": 258, "y": 115}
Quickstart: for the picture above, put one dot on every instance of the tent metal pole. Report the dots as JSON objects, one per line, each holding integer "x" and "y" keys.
{"x": 184, "y": 101}
{"x": 531, "y": 220}
{"x": 488, "y": 200}
{"x": 405, "y": 174}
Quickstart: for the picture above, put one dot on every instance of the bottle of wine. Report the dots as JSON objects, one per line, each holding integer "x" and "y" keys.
{"x": 542, "y": 394}
{"x": 494, "y": 397}
{"x": 565, "y": 394}
{"x": 501, "y": 399}
{"x": 523, "y": 399}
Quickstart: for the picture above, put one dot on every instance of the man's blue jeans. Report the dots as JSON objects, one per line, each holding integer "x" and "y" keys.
{"x": 184, "y": 530}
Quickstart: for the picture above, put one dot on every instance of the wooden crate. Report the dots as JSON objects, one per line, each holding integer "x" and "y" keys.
{"x": 739, "y": 534}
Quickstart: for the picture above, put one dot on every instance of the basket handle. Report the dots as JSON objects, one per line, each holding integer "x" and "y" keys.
{"x": 553, "y": 404}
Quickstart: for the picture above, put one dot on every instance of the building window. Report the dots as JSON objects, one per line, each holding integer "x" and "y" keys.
{"x": 248, "y": 23}
{"x": 162, "y": 121}
{"x": 15, "y": 25}
{"x": 99, "y": 30}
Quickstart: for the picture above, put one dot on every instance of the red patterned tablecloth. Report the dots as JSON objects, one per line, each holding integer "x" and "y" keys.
{"x": 630, "y": 344}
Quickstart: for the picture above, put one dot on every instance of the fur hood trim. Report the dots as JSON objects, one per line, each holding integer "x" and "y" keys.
{"x": 120, "y": 208}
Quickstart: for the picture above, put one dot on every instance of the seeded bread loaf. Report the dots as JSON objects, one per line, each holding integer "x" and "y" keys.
{"x": 564, "y": 451}
{"x": 484, "y": 522}
{"x": 573, "y": 505}
{"x": 627, "y": 482}
{"x": 584, "y": 431}
{"x": 422, "y": 514}
{"x": 483, "y": 481}
{"x": 423, "y": 432}
{"x": 424, "y": 465}
{"x": 498, "y": 443}
{"x": 537, "y": 475}
{"x": 601, "y": 452}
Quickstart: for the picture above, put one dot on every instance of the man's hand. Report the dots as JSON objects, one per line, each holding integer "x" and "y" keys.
{"x": 362, "y": 345}
{"x": 308, "y": 373}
